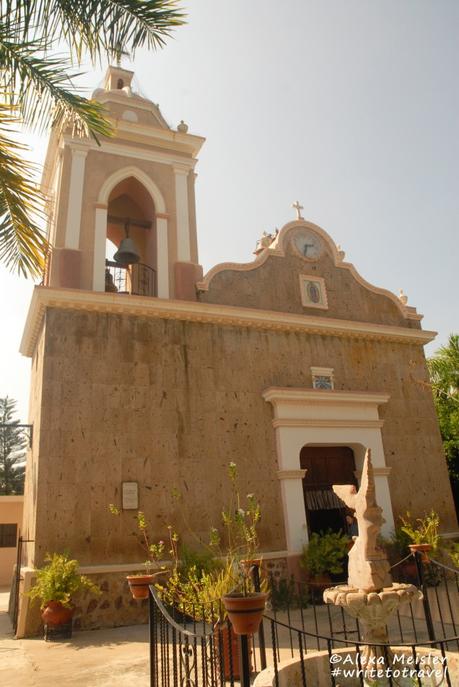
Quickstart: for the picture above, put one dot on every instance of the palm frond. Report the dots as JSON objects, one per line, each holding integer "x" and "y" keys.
{"x": 22, "y": 244}
{"x": 39, "y": 87}
{"x": 99, "y": 26}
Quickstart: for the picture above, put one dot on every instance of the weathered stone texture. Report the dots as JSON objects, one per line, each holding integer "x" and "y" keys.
{"x": 113, "y": 608}
{"x": 275, "y": 286}
{"x": 170, "y": 404}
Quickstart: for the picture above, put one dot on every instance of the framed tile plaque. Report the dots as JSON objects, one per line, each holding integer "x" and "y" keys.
{"x": 130, "y": 495}
{"x": 313, "y": 292}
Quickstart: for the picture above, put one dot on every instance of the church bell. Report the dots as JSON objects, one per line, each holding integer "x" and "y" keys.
{"x": 127, "y": 253}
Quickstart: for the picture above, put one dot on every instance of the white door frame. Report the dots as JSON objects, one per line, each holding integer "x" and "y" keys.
{"x": 325, "y": 417}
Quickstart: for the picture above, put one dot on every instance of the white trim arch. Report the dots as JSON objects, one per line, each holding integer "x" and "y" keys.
{"x": 305, "y": 417}
{"x": 100, "y": 227}
{"x": 143, "y": 178}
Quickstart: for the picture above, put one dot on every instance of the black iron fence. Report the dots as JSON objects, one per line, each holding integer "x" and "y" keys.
{"x": 13, "y": 606}
{"x": 305, "y": 659}
{"x": 189, "y": 652}
{"x": 298, "y": 626}
{"x": 137, "y": 279}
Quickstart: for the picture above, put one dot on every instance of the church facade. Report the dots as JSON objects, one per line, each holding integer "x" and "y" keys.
{"x": 151, "y": 376}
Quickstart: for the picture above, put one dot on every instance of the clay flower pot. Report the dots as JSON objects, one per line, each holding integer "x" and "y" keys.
{"x": 245, "y": 612}
{"x": 223, "y": 635}
{"x": 138, "y": 584}
{"x": 317, "y": 585}
{"x": 55, "y": 614}
{"x": 423, "y": 549}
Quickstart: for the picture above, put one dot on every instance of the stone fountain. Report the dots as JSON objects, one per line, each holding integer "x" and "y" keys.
{"x": 370, "y": 595}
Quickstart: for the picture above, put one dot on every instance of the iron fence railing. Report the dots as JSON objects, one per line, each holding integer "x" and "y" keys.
{"x": 24, "y": 429}
{"x": 13, "y": 606}
{"x": 346, "y": 659}
{"x": 297, "y": 625}
{"x": 137, "y": 279}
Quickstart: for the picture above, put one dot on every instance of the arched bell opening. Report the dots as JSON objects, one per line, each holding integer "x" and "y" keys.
{"x": 131, "y": 228}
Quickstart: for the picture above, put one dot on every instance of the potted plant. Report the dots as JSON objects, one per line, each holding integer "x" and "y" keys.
{"x": 403, "y": 565}
{"x": 218, "y": 590}
{"x": 56, "y": 584}
{"x": 139, "y": 583}
{"x": 423, "y": 533}
{"x": 197, "y": 595}
{"x": 245, "y": 606}
{"x": 324, "y": 555}
{"x": 237, "y": 552}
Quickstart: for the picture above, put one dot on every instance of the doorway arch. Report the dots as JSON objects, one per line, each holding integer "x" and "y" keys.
{"x": 325, "y": 466}
{"x": 316, "y": 417}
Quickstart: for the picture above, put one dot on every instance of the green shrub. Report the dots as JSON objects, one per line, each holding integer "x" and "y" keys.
{"x": 201, "y": 562}
{"x": 325, "y": 553}
{"x": 422, "y": 530}
{"x": 59, "y": 580}
{"x": 287, "y": 594}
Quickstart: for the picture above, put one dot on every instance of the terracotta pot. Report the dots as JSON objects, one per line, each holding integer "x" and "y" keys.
{"x": 423, "y": 549}
{"x": 409, "y": 571}
{"x": 138, "y": 584}
{"x": 317, "y": 584}
{"x": 55, "y": 614}
{"x": 245, "y": 612}
{"x": 222, "y": 637}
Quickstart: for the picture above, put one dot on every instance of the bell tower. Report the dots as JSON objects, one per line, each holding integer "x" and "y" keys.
{"x": 122, "y": 213}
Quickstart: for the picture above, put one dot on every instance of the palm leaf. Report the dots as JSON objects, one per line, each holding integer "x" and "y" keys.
{"x": 39, "y": 88}
{"x": 22, "y": 244}
{"x": 98, "y": 26}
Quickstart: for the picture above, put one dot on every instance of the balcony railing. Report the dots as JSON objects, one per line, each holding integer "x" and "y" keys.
{"x": 137, "y": 279}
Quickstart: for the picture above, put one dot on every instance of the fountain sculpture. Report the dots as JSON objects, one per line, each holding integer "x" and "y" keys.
{"x": 370, "y": 595}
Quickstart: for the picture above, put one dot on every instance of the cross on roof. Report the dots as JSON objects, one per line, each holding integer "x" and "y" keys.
{"x": 298, "y": 209}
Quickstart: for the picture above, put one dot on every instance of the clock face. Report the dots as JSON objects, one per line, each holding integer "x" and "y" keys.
{"x": 309, "y": 244}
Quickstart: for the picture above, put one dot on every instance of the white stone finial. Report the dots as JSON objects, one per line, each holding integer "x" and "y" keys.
{"x": 264, "y": 242}
{"x": 341, "y": 253}
{"x": 403, "y": 297}
{"x": 182, "y": 127}
{"x": 298, "y": 209}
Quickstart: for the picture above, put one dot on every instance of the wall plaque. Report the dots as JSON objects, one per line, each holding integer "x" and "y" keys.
{"x": 130, "y": 494}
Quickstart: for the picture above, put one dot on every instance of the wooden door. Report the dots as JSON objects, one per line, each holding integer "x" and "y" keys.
{"x": 326, "y": 465}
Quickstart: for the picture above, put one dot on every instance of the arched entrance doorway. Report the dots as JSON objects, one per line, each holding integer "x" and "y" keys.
{"x": 325, "y": 466}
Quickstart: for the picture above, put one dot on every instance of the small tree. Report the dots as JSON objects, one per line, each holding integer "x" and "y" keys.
{"x": 444, "y": 376}
{"x": 12, "y": 450}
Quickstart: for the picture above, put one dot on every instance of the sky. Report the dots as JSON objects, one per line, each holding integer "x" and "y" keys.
{"x": 349, "y": 106}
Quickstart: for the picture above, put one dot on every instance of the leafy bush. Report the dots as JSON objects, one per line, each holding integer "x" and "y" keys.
{"x": 59, "y": 581}
{"x": 325, "y": 553}
{"x": 422, "y": 530}
{"x": 397, "y": 545}
{"x": 202, "y": 561}
{"x": 287, "y": 594}
{"x": 453, "y": 552}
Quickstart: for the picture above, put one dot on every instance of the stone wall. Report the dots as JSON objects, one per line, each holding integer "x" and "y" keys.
{"x": 275, "y": 286}
{"x": 113, "y": 608}
{"x": 170, "y": 404}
